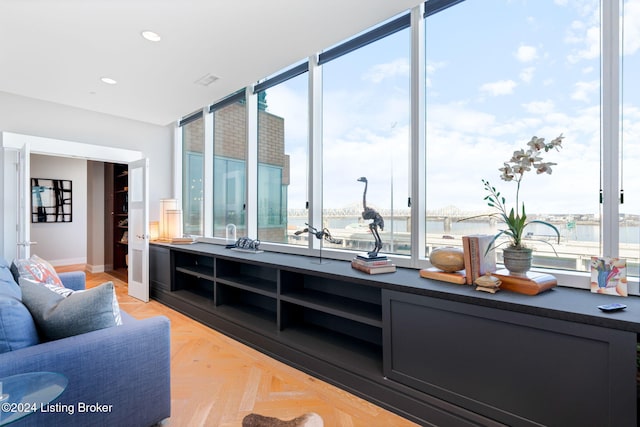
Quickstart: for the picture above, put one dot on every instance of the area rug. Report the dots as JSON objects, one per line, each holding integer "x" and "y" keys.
{"x": 310, "y": 419}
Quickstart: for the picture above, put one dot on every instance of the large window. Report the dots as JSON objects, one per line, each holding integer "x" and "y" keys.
{"x": 192, "y": 173}
{"x": 282, "y": 156}
{"x": 366, "y": 117}
{"x": 229, "y": 168}
{"x": 495, "y": 73}
{"x": 498, "y": 73}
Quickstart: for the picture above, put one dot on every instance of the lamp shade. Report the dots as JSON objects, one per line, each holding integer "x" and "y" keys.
{"x": 173, "y": 223}
{"x": 154, "y": 230}
{"x": 165, "y": 205}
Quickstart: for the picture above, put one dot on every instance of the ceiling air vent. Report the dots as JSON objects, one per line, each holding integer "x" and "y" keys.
{"x": 206, "y": 80}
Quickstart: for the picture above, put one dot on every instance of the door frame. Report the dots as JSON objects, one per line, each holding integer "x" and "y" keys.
{"x": 58, "y": 148}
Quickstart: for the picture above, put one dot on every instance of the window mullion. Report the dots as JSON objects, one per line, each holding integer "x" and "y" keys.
{"x": 315, "y": 147}
{"x": 610, "y": 126}
{"x": 417, "y": 169}
{"x": 251, "y": 201}
{"x": 177, "y": 162}
{"x": 207, "y": 187}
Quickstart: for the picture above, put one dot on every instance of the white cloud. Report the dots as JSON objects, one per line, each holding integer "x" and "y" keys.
{"x": 526, "y": 53}
{"x": 591, "y": 48}
{"x": 292, "y": 105}
{"x": 366, "y": 153}
{"x": 584, "y": 90}
{"x": 502, "y": 87}
{"x": 631, "y": 27}
{"x": 526, "y": 75}
{"x": 539, "y": 107}
{"x": 585, "y": 34}
{"x": 379, "y": 72}
{"x": 460, "y": 117}
{"x": 431, "y": 69}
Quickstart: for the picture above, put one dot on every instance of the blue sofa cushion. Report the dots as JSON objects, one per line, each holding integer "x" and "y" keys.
{"x": 8, "y": 285}
{"x": 58, "y": 317}
{"x": 17, "y": 329}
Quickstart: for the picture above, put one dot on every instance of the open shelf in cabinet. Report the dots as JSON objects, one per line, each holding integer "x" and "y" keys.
{"x": 200, "y": 289}
{"x": 195, "y": 298}
{"x": 351, "y": 301}
{"x": 252, "y": 278}
{"x": 200, "y": 266}
{"x": 295, "y": 315}
{"x": 335, "y": 339}
{"x": 256, "y": 308}
{"x": 255, "y": 318}
{"x": 197, "y": 271}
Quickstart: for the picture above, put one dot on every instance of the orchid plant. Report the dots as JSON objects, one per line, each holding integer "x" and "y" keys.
{"x": 522, "y": 161}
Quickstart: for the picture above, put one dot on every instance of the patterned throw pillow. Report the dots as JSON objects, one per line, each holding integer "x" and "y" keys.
{"x": 38, "y": 270}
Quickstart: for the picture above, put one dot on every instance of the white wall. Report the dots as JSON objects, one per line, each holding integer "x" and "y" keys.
{"x": 49, "y": 120}
{"x": 96, "y": 215}
{"x": 62, "y": 243}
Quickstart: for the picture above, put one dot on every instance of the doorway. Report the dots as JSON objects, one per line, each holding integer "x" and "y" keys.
{"x": 96, "y": 156}
{"x": 116, "y": 220}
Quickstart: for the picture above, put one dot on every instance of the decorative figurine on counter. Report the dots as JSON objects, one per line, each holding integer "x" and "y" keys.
{"x": 245, "y": 244}
{"x": 378, "y": 222}
{"x": 320, "y": 234}
{"x": 488, "y": 283}
{"x": 324, "y": 233}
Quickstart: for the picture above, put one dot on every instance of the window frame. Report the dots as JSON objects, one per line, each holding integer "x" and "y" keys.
{"x": 279, "y": 78}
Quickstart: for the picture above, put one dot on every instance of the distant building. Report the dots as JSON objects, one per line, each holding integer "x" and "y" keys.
{"x": 229, "y": 192}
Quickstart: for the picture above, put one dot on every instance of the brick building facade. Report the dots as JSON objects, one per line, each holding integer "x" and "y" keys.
{"x": 230, "y": 142}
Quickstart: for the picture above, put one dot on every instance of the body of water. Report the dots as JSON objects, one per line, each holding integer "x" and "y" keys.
{"x": 581, "y": 232}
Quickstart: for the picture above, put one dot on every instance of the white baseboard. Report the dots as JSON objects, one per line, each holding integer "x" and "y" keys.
{"x": 68, "y": 261}
{"x": 95, "y": 268}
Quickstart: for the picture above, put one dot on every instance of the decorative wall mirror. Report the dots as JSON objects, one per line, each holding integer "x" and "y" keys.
{"x": 50, "y": 200}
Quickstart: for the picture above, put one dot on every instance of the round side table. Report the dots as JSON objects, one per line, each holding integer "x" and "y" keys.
{"x": 24, "y": 394}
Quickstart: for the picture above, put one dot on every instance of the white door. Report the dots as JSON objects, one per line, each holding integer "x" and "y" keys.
{"x": 23, "y": 249}
{"x": 139, "y": 229}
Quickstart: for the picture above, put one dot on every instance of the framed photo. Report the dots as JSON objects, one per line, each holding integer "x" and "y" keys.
{"x": 51, "y": 200}
{"x": 609, "y": 276}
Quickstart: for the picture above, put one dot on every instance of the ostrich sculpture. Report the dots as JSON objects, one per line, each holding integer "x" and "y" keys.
{"x": 378, "y": 222}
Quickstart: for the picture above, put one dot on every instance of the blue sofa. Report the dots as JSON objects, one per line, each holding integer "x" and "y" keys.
{"x": 126, "y": 366}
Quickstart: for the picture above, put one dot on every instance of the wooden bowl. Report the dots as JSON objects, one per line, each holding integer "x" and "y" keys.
{"x": 447, "y": 259}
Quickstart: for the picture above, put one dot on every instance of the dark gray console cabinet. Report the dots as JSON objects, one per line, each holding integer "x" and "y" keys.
{"x": 435, "y": 353}
{"x": 516, "y": 368}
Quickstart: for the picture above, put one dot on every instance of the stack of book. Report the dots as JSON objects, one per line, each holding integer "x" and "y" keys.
{"x": 373, "y": 265}
{"x": 477, "y": 260}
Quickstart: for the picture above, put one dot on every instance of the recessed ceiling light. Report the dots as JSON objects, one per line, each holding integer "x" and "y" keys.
{"x": 108, "y": 80}
{"x": 151, "y": 36}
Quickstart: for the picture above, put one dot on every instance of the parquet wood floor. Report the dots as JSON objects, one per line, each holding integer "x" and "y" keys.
{"x": 216, "y": 381}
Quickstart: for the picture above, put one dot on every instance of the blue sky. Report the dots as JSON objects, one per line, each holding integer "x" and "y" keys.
{"x": 498, "y": 72}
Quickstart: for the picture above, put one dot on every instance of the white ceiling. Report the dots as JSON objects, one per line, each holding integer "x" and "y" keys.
{"x": 58, "y": 50}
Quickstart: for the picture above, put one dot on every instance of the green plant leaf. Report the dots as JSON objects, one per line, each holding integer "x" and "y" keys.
{"x": 553, "y": 227}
